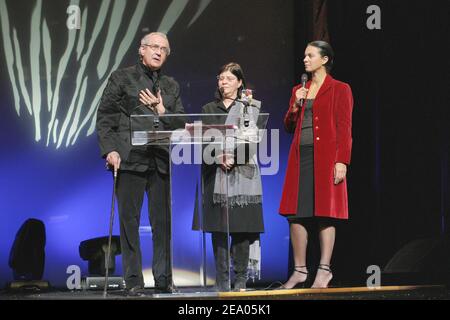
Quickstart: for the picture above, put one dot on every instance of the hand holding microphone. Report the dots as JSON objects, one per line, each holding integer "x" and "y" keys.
{"x": 300, "y": 94}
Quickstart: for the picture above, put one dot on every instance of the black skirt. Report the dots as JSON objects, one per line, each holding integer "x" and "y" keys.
{"x": 305, "y": 206}
{"x": 246, "y": 219}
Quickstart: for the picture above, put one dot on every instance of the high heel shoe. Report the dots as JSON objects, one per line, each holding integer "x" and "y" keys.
{"x": 324, "y": 267}
{"x": 298, "y": 285}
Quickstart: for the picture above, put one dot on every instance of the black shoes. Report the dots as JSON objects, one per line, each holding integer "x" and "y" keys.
{"x": 298, "y": 285}
{"x": 222, "y": 286}
{"x": 136, "y": 291}
{"x": 166, "y": 289}
{"x": 240, "y": 285}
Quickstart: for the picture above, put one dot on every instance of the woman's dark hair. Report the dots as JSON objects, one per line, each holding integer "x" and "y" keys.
{"x": 325, "y": 50}
{"x": 235, "y": 69}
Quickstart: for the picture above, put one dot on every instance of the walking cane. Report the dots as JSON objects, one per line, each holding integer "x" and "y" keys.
{"x": 111, "y": 220}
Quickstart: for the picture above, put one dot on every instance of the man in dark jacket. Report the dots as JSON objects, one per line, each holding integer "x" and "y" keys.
{"x": 141, "y": 89}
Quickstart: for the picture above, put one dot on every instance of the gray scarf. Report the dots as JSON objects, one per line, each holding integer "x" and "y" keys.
{"x": 244, "y": 180}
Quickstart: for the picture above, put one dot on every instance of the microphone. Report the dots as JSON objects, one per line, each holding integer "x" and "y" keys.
{"x": 304, "y": 80}
{"x": 156, "y": 121}
{"x": 246, "y": 117}
{"x": 156, "y": 86}
{"x": 247, "y": 97}
{"x": 246, "y": 100}
{"x": 155, "y": 92}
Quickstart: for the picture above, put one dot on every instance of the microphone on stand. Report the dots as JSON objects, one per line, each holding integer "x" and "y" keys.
{"x": 246, "y": 100}
{"x": 304, "y": 80}
{"x": 155, "y": 92}
{"x": 156, "y": 121}
{"x": 247, "y": 97}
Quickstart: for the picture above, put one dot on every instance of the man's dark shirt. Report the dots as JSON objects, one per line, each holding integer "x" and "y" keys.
{"x": 119, "y": 101}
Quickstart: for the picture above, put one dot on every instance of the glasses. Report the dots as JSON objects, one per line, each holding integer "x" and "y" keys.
{"x": 229, "y": 78}
{"x": 155, "y": 48}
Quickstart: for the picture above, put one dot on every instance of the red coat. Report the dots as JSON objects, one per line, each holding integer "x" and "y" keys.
{"x": 332, "y": 125}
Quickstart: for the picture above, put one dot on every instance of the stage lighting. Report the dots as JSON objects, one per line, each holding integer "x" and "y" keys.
{"x": 421, "y": 261}
{"x": 27, "y": 256}
{"x": 94, "y": 251}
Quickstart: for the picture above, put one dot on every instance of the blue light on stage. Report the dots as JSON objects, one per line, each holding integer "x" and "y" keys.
{"x": 52, "y": 81}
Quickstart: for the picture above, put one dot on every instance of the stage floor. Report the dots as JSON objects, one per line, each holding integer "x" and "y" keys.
{"x": 421, "y": 292}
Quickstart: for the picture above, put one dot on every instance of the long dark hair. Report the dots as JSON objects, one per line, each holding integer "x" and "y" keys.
{"x": 325, "y": 50}
{"x": 235, "y": 69}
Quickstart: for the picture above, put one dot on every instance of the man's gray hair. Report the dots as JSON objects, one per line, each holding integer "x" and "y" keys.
{"x": 163, "y": 35}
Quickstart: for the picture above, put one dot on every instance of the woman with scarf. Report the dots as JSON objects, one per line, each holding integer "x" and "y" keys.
{"x": 232, "y": 191}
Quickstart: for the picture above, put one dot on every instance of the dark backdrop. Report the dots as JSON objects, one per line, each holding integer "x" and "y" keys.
{"x": 398, "y": 180}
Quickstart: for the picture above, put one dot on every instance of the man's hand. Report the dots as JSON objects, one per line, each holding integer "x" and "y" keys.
{"x": 154, "y": 103}
{"x": 113, "y": 160}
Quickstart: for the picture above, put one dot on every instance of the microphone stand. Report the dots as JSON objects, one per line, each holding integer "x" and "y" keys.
{"x": 246, "y": 117}
{"x": 246, "y": 105}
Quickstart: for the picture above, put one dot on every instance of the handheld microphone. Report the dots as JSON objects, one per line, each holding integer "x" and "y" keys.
{"x": 304, "y": 80}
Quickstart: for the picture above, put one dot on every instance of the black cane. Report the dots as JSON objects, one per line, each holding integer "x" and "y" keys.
{"x": 111, "y": 220}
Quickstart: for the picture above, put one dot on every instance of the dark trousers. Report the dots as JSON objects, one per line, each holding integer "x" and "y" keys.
{"x": 131, "y": 187}
{"x": 240, "y": 248}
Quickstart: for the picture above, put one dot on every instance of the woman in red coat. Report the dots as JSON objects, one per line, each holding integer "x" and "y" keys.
{"x": 315, "y": 187}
